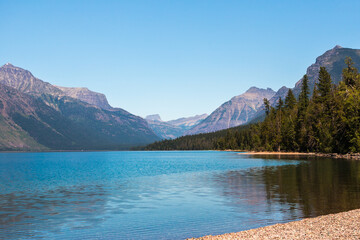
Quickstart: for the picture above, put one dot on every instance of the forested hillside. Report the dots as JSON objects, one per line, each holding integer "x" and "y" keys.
{"x": 329, "y": 121}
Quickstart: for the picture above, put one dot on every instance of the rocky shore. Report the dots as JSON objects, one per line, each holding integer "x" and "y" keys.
{"x": 345, "y": 225}
{"x": 352, "y": 156}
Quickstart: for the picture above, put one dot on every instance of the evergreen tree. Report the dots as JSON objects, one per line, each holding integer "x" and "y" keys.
{"x": 304, "y": 94}
{"x": 280, "y": 104}
{"x": 290, "y": 100}
{"x": 266, "y": 106}
{"x": 328, "y": 122}
{"x": 324, "y": 84}
{"x": 301, "y": 131}
{"x": 350, "y": 74}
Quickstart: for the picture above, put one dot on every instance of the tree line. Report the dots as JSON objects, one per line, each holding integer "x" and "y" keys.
{"x": 326, "y": 121}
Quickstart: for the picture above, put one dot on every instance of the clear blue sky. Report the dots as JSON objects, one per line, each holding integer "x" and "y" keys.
{"x": 175, "y": 58}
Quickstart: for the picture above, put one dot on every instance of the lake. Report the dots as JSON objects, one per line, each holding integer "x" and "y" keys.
{"x": 165, "y": 195}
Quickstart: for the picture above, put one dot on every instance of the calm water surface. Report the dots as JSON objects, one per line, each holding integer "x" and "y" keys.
{"x": 164, "y": 195}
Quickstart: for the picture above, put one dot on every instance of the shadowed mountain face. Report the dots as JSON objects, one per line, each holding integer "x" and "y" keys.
{"x": 13, "y": 102}
{"x": 239, "y": 110}
{"x": 334, "y": 62}
{"x": 174, "y": 128}
{"x": 36, "y": 116}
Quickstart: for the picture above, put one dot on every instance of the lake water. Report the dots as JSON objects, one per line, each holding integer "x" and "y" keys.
{"x": 165, "y": 195}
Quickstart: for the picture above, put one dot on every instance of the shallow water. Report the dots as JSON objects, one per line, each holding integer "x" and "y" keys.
{"x": 165, "y": 195}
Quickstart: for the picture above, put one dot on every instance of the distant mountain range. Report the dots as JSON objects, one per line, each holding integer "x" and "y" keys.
{"x": 239, "y": 110}
{"x": 36, "y": 115}
{"x": 174, "y": 128}
{"x": 248, "y": 107}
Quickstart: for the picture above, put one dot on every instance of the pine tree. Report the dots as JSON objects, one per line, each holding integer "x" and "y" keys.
{"x": 304, "y": 94}
{"x": 266, "y": 106}
{"x": 290, "y": 100}
{"x": 303, "y": 104}
{"x": 324, "y": 84}
{"x": 350, "y": 74}
{"x": 280, "y": 104}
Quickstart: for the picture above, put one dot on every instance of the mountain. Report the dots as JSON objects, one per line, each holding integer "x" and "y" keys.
{"x": 174, "y": 128}
{"x": 85, "y": 95}
{"x": 239, "y": 110}
{"x": 334, "y": 62}
{"x": 36, "y": 115}
{"x": 189, "y": 121}
{"x": 154, "y": 117}
{"x": 260, "y": 114}
{"x": 165, "y": 130}
{"x": 24, "y": 81}
{"x": 12, "y": 135}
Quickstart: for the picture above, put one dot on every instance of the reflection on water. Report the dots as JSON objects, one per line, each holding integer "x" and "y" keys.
{"x": 312, "y": 188}
{"x": 165, "y": 195}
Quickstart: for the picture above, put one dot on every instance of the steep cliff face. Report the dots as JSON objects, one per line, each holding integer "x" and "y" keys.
{"x": 85, "y": 95}
{"x": 239, "y": 110}
{"x": 334, "y": 62}
{"x": 153, "y": 117}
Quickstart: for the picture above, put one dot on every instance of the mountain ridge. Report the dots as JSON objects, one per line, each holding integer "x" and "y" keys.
{"x": 173, "y": 128}
{"x": 237, "y": 111}
{"x": 333, "y": 60}
{"x": 24, "y": 81}
{"x": 50, "y": 119}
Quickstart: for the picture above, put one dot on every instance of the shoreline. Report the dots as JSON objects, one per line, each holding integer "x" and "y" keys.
{"x": 343, "y": 225}
{"x": 350, "y": 156}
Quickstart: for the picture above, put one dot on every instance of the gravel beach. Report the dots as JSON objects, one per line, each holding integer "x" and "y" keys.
{"x": 345, "y": 225}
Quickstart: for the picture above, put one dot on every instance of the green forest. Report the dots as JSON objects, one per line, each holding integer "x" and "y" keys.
{"x": 326, "y": 121}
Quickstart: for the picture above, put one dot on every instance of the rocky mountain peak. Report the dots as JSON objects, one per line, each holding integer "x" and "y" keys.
{"x": 24, "y": 81}
{"x": 239, "y": 110}
{"x": 8, "y": 65}
{"x": 154, "y": 117}
{"x": 256, "y": 89}
{"x": 86, "y": 95}
{"x": 252, "y": 89}
{"x": 255, "y": 93}
{"x": 334, "y": 61}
